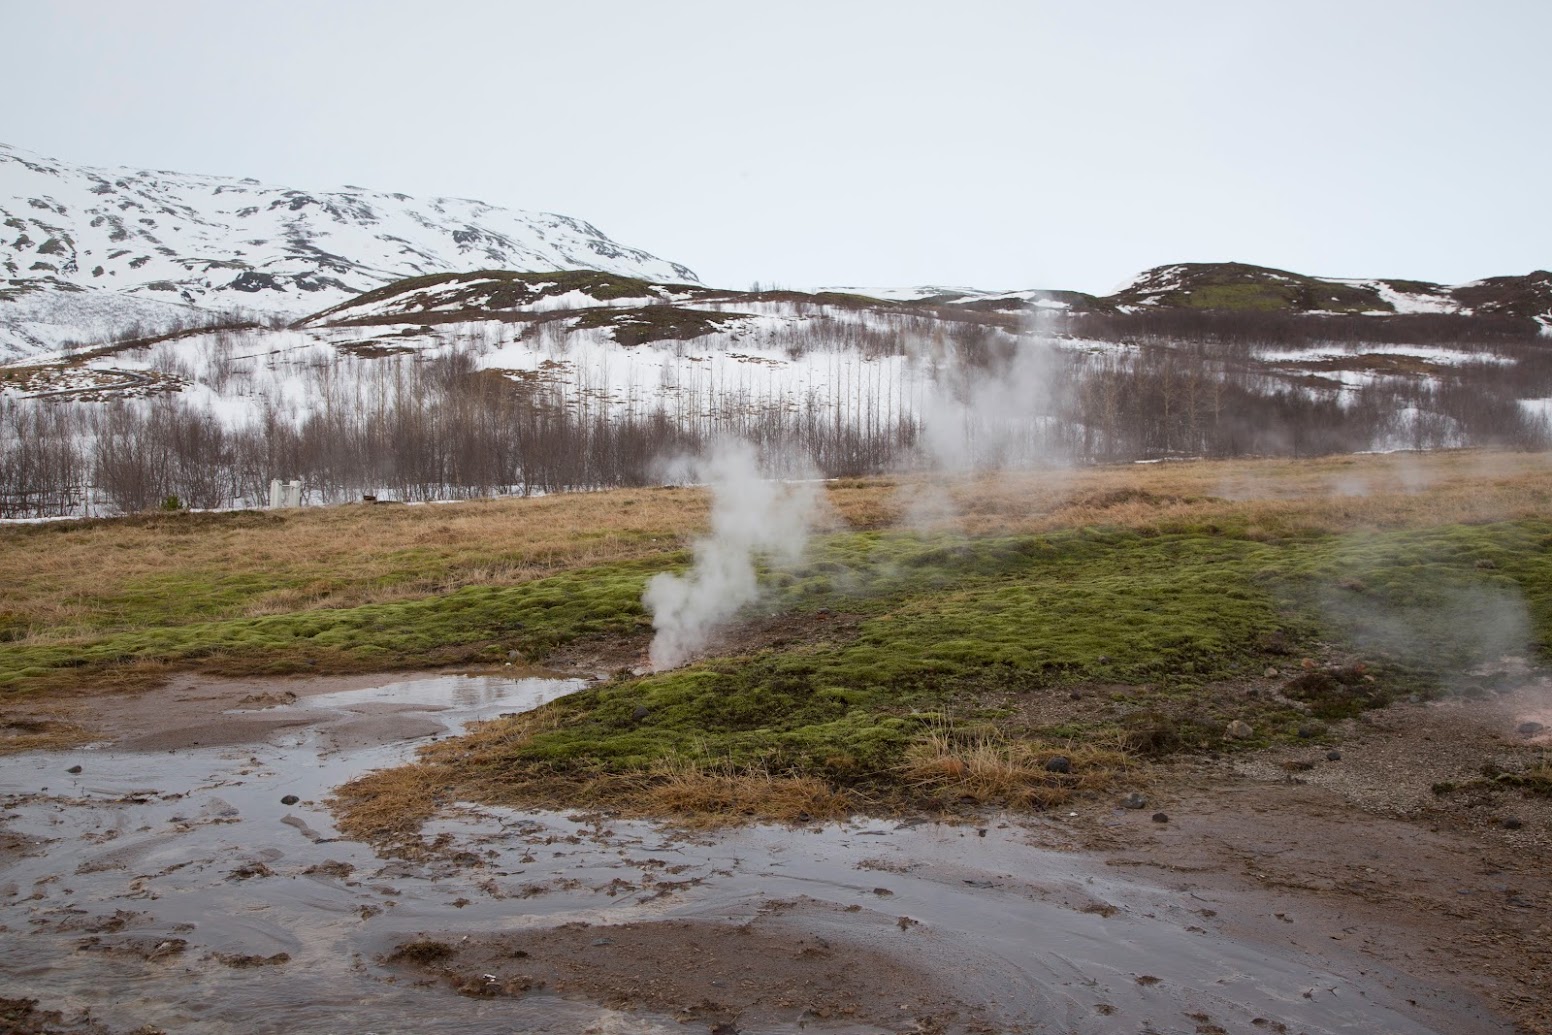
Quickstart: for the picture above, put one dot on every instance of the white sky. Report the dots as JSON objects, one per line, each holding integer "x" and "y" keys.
{"x": 994, "y": 144}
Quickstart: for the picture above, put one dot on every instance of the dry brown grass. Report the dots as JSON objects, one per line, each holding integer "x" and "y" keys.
{"x": 1263, "y": 497}
{"x": 989, "y": 767}
{"x": 20, "y": 733}
{"x": 64, "y": 576}
{"x": 388, "y": 807}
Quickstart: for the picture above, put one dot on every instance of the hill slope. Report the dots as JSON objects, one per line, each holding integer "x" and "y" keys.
{"x": 85, "y": 252}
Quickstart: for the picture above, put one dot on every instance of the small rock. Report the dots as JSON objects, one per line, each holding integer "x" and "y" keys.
{"x": 1510, "y": 823}
{"x": 1103, "y": 659}
{"x": 1135, "y": 800}
{"x": 1333, "y": 756}
{"x": 602, "y": 941}
{"x": 1160, "y": 817}
{"x": 641, "y": 712}
{"x": 73, "y": 769}
{"x": 1058, "y": 764}
{"x": 290, "y": 799}
{"x": 1308, "y": 730}
{"x": 1524, "y": 729}
{"x": 1238, "y": 730}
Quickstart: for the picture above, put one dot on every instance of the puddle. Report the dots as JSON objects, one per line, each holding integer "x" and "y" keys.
{"x": 163, "y": 886}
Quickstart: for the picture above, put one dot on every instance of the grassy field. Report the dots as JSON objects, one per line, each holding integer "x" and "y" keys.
{"x": 1062, "y": 630}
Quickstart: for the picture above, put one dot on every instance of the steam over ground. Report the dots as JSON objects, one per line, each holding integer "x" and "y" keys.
{"x": 752, "y": 518}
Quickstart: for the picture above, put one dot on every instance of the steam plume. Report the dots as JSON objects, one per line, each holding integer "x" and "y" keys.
{"x": 752, "y": 518}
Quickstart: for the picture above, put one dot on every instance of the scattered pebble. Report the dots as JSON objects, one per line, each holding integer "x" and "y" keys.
{"x": 290, "y": 799}
{"x": 1511, "y": 823}
{"x": 73, "y": 769}
{"x": 1161, "y": 817}
{"x": 1333, "y": 756}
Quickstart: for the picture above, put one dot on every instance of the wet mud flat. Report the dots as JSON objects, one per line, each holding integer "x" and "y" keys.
{"x": 187, "y": 876}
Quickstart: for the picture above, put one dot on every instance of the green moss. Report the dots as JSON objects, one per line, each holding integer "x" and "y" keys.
{"x": 535, "y": 618}
{"x": 946, "y": 624}
{"x": 938, "y": 633}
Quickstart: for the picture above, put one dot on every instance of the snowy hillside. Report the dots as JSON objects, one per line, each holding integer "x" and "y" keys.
{"x": 458, "y": 384}
{"x": 87, "y": 253}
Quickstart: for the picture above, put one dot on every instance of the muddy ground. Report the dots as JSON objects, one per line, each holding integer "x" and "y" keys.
{"x": 1391, "y": 888}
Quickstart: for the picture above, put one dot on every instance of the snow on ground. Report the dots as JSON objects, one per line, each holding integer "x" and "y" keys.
{"x": 907, "y": 294}
{"x": 1428, "y": 353}
{"x": 1404, "y": 302}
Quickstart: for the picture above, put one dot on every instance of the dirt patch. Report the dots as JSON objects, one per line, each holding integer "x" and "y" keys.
{"x": 787, "y": 965}
{"x": 1362, "y": 852}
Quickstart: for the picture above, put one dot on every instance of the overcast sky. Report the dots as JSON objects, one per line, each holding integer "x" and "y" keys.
{"x": 994, "y": 144}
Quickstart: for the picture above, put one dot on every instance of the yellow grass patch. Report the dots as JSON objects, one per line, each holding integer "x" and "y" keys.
{"x": 991, "y": 768}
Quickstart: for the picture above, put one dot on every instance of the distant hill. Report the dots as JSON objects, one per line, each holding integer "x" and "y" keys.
{"x": 86, "y": 253}
{"x": 1236, "y": 286}
{"x": 1239, "y": 287}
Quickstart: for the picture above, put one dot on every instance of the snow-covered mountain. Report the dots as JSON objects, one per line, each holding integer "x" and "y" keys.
{"x": 88, "y": 253}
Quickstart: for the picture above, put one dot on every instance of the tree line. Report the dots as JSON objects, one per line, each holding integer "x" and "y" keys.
{"x": 435, "y": 426}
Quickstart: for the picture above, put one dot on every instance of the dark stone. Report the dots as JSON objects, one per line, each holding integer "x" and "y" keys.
{"x": 1160, "y": 817}
{"x": 1530, "y": 729}
{"x": 1135, "y": 801}
{"x": 1333, "y": 756}
{"x": 1058, "y": 764}
{"x": 1511, "y": 823}
{"x": 73, "y": 769}
{"x": 1307, "y": 730}
{"x": 290, "y": 799}
{"x": 251, "y": 281}
{"x": 641, "y": 712}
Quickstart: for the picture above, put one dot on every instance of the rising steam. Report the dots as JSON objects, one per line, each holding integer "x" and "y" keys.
{"x": 985, "y": 409}
{"x": 752, "y": 518}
